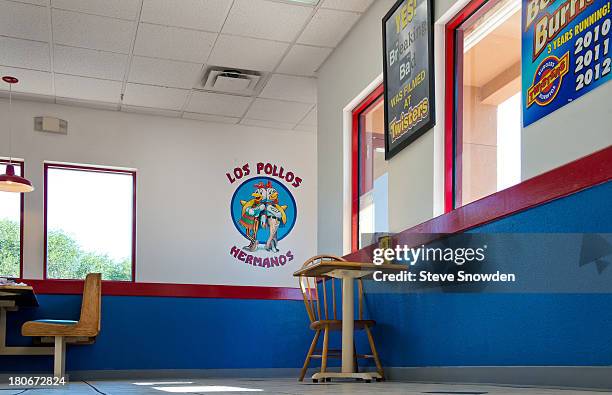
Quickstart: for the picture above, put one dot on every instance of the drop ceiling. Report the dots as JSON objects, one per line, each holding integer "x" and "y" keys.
{"x": 147, "y": 56}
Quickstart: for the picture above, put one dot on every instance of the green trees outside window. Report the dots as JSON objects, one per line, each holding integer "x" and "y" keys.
{"x": 69, "y": 260}
{"x": 9, "y": 248}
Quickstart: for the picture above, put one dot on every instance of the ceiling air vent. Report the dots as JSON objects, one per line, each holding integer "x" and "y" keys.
{"x": 238, "y": 82}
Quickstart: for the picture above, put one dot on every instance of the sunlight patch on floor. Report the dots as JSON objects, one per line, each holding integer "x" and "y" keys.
{"x": 205, "y": 388}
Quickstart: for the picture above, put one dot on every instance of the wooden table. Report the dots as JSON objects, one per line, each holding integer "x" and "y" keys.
{"x": 12, "y": 297}
{"x": 348, "y": 272}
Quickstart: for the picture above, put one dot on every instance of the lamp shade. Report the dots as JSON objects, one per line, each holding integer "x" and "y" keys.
{"x": 9, "y": 182}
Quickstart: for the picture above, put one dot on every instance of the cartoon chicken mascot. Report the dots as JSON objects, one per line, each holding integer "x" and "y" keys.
{"x": 252, "y": 213}
{"x": 275, "y": 214}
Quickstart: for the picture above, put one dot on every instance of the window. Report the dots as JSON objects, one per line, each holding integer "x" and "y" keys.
{"x": 370, "y": 174}
{"x": 11, "y": 225}
{"x": 90, "y": 222}
{"x": 487, "y": 123}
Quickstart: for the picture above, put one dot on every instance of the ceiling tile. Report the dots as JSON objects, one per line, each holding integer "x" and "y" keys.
{"x": 303, "y": 60}
{"x": 151, "y": 111}
{"x": 310, "y": 119}
{"x": 24, "y": 21}
{"x": 173, "y": 43}
{"x": 266, "y": 19}
{"x": 218, "y": 104}
{"x": 89, "y": 63}
{"x": 92, "y": 31}
{"x": 196, "y": 14}
{"x": 30, "y": 81}
{"x": 268, "y": 124}
{"x": 87, "y": 104}
{"x": 87, "y": 88}
{"x": 210, "y": 118}
{"x": 247, "y": 53}
{"x": 154, "y": 96}
{"x": 35, "y": 2}
{"x": 288, "y": 87}
{"x": 276, "y": 110}
{"x": 352, "y": 5}
{"x": 305, "y": 128}
{"x": 24, "y": 53}
{"x": 28, "y": 97}
{"x": 124, "y": 9}
{"x": 328, "y": 27}
{"x": 164, "y": 72}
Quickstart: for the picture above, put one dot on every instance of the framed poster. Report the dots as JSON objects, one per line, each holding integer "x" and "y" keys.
{"x": 565, "y": 53}
{"x": 408, "y": 71}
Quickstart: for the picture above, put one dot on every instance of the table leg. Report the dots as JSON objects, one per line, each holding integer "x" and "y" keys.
{"x": 348, "y": 328}
{"x": 16, "y": 350}
{"x": 2, "y": 326}
{"x": 348, "y": 324}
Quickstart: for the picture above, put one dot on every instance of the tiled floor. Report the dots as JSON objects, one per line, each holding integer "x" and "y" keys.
{"x": 279, "y": 386}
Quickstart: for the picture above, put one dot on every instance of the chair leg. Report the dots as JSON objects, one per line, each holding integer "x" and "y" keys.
{"x": 379, "y": 367}
{"x": 310, "y": 351}
{"x": 355, "y": 364}
{"x": 325, "y": 348}
{"x": 59, "y": 358}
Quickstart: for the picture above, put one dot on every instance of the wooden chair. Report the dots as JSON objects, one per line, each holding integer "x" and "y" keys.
{"x": 83, "y": 331}
{"x": 325, "y": 318}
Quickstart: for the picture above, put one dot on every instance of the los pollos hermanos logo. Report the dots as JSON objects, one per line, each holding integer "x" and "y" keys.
{"x": 264, "y": 212}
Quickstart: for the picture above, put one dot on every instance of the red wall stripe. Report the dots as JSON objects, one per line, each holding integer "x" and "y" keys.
{"x": 120, "y": 288}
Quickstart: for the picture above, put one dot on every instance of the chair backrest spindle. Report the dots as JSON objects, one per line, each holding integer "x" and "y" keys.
{"x": 311, "y": 294}
{"x": 360, "y": 286}
{"x": 334, "y": 300}
{"x": 325, "y": 298}
{"x": 316, "y": 290}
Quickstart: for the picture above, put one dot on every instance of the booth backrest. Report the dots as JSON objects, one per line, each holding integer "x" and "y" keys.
{"x": 91, "y": 304}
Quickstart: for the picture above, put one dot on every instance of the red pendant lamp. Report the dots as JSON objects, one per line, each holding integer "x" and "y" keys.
{"x": 10, "y": 182}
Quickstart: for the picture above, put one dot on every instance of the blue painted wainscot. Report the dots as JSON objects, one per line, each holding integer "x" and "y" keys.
{"x": 174, "y": 333}
{"x": 506, "y": 329}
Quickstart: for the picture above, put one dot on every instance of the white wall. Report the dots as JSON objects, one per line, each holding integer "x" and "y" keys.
{"x": 184, "y": 229}
{"x": 353, "y": 65}
{"x": 348, "y": 70}
{"x": 578, "y": 129}
{"x": 416, "y": 175}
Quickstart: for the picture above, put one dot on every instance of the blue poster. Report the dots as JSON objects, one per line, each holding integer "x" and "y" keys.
{"x": 565, "y": 52}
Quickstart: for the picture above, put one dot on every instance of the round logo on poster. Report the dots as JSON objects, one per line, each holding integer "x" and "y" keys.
{"x": 264, "y": 212}
{"x": 547, "y": 80}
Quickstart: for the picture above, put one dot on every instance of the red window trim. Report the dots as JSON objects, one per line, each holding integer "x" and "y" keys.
{"x": 125, "y": 288}
{"x": 583, "y": 173}
{"x": 21, "y": 211}
{"x": 98, "y": 169}
{"x": 452, "y": 107}
{"x": 357, "y": 111}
